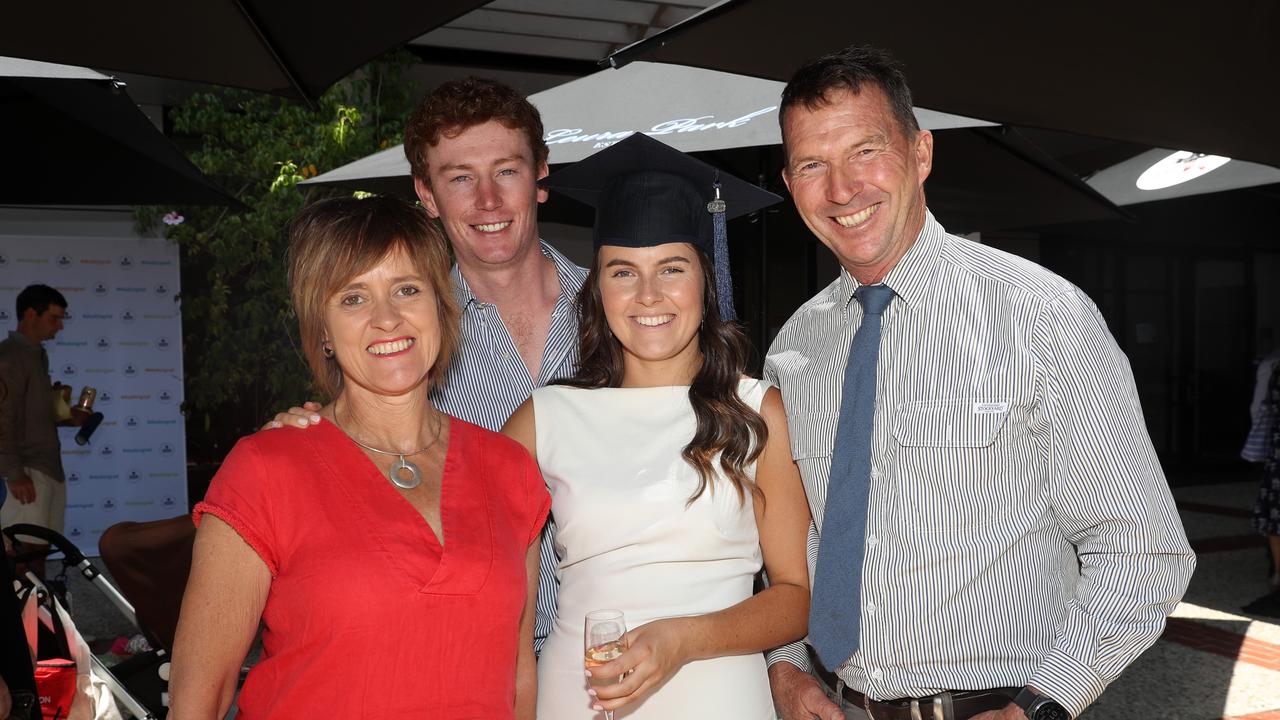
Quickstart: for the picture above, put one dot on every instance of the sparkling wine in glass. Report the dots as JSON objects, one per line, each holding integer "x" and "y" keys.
{"x": 603, "y": 641}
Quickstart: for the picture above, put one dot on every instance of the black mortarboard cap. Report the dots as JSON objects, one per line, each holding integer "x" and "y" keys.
{"x": 647, "y": 193}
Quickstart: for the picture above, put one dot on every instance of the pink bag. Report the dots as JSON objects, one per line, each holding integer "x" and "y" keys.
{"x": 67, "y": 688}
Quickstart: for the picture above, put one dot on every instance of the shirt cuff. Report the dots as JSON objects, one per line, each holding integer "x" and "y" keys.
{"x": 794, "y": 653}
{"x": 1071, "y": 683}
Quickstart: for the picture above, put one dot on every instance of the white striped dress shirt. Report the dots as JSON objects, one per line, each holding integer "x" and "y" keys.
{"x": 1020, "y": 529}
{"x": 487, "y": 380}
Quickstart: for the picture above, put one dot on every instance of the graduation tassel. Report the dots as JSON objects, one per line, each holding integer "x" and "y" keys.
{"x": 724, "y": 281}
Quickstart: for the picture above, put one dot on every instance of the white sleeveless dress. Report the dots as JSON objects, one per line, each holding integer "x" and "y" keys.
{"x": 611, "y": 458}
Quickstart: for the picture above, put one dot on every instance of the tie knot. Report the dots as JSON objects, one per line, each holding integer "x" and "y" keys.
{"x": 874, "y": 298}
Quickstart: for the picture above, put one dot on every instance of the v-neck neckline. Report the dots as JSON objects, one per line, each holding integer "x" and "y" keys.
{"x": 380, "y": 479}
{"x": 462, "y": 566}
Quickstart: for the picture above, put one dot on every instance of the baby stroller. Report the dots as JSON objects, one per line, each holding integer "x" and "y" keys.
{"x": 139, "y": 683}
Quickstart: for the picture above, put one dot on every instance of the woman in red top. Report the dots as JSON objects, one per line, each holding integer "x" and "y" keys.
{"x": 391, "y": 553}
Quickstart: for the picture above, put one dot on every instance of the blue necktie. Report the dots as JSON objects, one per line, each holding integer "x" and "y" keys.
{"x": 834, "y": 612}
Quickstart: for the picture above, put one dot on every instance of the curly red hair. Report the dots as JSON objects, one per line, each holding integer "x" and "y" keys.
{"x": 457, "y": 105}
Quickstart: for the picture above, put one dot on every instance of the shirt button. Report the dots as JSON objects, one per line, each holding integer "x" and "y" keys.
{"x": 875, "y": 674}
{"x": 875, "y": 475}
{"x": 873, "y": 541}
{"x": 871, "y": 608}
{"x": 506, "y": 356}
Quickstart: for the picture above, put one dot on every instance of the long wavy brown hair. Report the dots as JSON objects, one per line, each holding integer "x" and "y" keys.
{"x": 726, "y": 425}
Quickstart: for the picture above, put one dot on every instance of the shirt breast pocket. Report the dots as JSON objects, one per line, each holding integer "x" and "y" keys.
{"x": 952, "y": 467}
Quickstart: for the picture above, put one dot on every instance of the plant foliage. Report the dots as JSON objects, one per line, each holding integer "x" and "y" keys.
{"x": 240, "y": 340}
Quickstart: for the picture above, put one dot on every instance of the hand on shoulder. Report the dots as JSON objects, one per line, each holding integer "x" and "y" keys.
{"x": 299, "y": 417}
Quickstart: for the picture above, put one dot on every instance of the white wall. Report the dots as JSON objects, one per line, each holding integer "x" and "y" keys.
{"x": 123, "y": 336}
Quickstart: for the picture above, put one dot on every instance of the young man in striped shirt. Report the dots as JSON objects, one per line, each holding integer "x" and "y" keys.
{"x": 1017, "y": 540}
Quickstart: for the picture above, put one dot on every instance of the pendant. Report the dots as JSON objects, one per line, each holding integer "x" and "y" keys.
{"x": 396, "y": 473}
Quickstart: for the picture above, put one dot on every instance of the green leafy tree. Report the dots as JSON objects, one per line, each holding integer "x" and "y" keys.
{"x": 240, "y": 340}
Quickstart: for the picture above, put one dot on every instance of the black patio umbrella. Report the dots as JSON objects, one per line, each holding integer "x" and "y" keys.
{"x": 71, "y": 136}
{"x": 1198, "y": 77}
{"x": 985, "y": 178}
{"x": 289, "y": 47}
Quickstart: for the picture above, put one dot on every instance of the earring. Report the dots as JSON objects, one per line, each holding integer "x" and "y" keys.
{"x": 327, "y": 349}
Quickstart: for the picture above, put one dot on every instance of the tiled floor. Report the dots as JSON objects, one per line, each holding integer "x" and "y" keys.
{"x": 1212, "y": 661}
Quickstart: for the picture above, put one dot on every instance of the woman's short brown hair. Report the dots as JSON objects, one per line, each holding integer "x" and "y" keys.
{"x": 457, "y": 105}
{"x": 335, "y": 240}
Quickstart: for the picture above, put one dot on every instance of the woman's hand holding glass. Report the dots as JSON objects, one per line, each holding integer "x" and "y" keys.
{"x": 653, "y": 653}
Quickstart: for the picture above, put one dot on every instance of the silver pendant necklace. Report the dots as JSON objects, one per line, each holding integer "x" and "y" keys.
{"x": 393, "y": 473}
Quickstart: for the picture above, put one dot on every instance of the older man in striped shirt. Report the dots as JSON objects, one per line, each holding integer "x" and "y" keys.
{"x": 1009, "y": 544}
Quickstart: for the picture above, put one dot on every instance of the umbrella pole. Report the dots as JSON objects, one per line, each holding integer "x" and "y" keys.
{"x": 763, "y": 314}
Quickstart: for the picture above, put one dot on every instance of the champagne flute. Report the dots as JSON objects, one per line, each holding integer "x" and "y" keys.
{"x": 603, "y": 641}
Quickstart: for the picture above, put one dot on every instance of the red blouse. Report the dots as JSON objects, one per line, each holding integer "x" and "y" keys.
{"x": 367, "y": 615}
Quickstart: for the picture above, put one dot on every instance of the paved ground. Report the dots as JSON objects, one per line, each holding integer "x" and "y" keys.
{"x": 1212, "y": 662}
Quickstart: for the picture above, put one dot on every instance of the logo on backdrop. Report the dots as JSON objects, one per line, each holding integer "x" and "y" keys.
{"x": 68, "y": 370}
{"x": 130, "y": 370}
{"x": 132, "y": 422}
{"x": 75, "y": 532}
{"x": 166, "y": 449}
{"x": 133, "y": 476}
{"x": 126, "y": 262}
{"x": 165, "y": 396}
{"x": 162, "y": 343}
{"x": 169, "y": 501}
{"x": 162, "y": 289}
{"x": 99, "y": 288}
{"x": 63, "y": 261}
{"x": 104, "y": 396}
{"x": 73, "y": 477}
{"x": 127, "y": 316}
{"x": 106, "y": 451}
{"x": 4, "y": 316}
{"x": 4, "y": 260}
{"x": 67, "y": 317}
{"x": 102, "y": 343}
{"x": 108, "y": 503}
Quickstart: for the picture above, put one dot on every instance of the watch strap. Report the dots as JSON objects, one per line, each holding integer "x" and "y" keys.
{"x": 1032, "y": 702}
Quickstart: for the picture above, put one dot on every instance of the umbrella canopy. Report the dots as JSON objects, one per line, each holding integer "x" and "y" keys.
{"x": 689, "y": 109}
{"x": 984, "y": 180}
{"x": 995, "y": 178}
{"x": 1164, "y": 174}
{"x": 72, "y": 136}
{"x": 1193, "y": 78}
{"x": 289, "y": 47}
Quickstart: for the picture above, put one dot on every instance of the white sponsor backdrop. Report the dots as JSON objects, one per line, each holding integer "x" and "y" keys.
{"x": 123, "y": 336}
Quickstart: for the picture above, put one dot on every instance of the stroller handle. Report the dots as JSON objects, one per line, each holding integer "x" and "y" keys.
{"x": 52, "y": 537}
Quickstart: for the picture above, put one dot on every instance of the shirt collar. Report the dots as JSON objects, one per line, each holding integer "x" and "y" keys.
{"x": 24, "y": 341}
{"x": 570, "y": 276}
{"x": 910, "y": 278}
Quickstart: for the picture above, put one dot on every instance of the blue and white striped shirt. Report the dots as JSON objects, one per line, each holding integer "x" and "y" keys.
{"x": 1020, "y": 529}
{"x": 487, "y": 380}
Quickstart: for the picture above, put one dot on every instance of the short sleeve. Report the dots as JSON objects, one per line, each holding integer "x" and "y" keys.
{"x": 538, "y": 499}
{"x": 241, "y": 496}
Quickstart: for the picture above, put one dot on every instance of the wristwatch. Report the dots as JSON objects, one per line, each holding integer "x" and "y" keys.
{"x": 1040, "y": 707}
